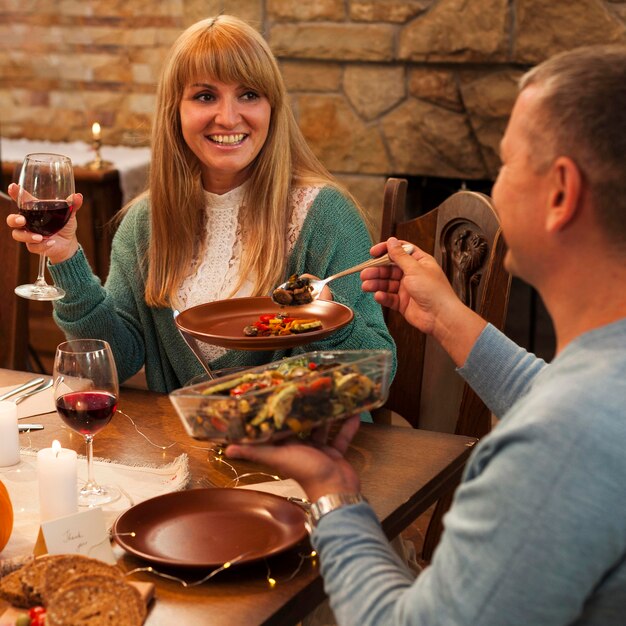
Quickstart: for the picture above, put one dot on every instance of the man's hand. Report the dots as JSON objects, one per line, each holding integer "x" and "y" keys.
{"x": 417, "y": 287}
{"x": 319, "y": 466}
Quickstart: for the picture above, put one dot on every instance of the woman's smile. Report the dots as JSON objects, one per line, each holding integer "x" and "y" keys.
{"x": 225, "y": 125}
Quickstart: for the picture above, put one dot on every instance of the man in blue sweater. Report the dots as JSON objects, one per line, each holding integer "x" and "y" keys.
{"x": 537, "y": 531}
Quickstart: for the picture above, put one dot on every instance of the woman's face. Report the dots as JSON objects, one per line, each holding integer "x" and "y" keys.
{"x": 225, "y": 126}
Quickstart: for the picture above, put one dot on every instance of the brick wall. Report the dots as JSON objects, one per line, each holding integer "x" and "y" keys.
{"x": 414, "y": 87}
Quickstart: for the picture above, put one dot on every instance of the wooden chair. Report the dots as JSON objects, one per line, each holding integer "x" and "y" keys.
{"x": 463, "y": 234}
{"x": 14, "y": 263}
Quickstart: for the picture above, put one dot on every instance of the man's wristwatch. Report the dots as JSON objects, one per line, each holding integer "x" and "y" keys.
{"x": 332, "y": 501}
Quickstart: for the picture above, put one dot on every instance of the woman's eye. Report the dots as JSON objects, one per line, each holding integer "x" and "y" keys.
{"x": 250, "y": 95}
{"x": 204, "y": 97}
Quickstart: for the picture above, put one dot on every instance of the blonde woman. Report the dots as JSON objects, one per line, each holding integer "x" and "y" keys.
{"x": 237, "y": 202}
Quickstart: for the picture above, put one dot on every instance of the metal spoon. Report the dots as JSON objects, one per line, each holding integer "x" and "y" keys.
{"x": 316, "y": 286}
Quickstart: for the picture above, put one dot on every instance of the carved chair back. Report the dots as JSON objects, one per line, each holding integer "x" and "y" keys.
{"x": 463, "y": 234}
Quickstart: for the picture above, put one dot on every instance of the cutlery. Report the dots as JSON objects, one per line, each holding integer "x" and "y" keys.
{"x": 26, "y": 427}
{"x": 316, "y": 286}
{"x": 193, "y": 346}
{"x": 29, "y": 385}
{"x": 32, "y": 392}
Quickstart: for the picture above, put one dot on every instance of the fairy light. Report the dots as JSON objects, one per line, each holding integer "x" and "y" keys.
{"x": 215, "y": 455}
{"x": 150, "y": 570}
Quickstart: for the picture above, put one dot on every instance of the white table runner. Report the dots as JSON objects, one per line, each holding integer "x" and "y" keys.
{"x": 131, "y": 163}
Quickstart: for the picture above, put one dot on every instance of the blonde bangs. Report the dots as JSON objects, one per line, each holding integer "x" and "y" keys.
{"x": 229, "y": 52}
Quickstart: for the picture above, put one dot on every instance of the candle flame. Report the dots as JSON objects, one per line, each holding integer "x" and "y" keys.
{"x": 56, "y": 447}
{"x": 95, "y": 129}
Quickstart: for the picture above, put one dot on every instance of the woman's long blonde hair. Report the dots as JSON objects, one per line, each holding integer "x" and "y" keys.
{"x": 228, "y": 50}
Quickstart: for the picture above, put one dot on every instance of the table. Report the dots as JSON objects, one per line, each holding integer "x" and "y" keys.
{"x": 403, "y": 471}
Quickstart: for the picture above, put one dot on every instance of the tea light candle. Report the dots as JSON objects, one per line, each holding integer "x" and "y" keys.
{"x": 9, "y": 434}
{"x": 95, "y": 130}
{"x": 58, "y": 489}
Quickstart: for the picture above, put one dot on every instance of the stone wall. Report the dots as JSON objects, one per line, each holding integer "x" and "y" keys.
{"x": 414, "y": 87}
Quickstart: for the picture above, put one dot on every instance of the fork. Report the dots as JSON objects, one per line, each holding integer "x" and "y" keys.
{"x": 193, "y": 346}
{"x": 32, "y": 392}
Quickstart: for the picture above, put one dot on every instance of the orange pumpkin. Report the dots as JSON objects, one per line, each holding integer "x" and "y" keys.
{"x": 6, "y": 516}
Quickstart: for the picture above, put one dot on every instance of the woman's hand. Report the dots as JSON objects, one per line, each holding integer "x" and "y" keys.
{"x": 60, "y": 246}
{"x": 326, "y": 293}
{"x": 319, "y": 466}
{"x": 417, "y": 287}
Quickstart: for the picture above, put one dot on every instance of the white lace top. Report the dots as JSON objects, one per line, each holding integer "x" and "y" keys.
{"x": 213, "y": 276}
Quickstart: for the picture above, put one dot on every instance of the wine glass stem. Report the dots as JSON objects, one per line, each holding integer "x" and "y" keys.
{"x": 41, "y": 281}
{"x": 90, "y": 481}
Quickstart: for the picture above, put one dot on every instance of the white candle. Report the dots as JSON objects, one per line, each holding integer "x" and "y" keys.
{"x": 58, "y": 489}
{"x": 9, "y": 434}
{"x": 95, "y": 130}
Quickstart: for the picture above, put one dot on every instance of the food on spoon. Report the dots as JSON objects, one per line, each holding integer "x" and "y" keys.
{"x": 276, "y": 324}
{"x": 297, "y": 290}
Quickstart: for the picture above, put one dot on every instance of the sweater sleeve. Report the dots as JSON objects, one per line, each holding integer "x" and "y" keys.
{"x": 531, "y": 536}
{"x": 499, "y": 371}
{"x": 110, "y": 312}
{"x": 333, "y": 238}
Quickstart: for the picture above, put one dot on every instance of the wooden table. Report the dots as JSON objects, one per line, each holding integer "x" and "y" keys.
{"x": 403, "y": 471}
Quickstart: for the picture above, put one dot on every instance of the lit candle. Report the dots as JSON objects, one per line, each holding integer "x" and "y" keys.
{"x": 9, "y": 434}
{"x": 58, "y": 490}
{"x": 95, "y": 130}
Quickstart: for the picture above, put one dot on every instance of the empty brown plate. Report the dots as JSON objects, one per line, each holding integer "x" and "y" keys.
{"x": 204, "y": 528}
{"x": 221, "y": 323}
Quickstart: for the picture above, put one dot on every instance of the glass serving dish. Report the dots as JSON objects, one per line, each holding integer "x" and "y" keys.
{"x": 285, "y": 398}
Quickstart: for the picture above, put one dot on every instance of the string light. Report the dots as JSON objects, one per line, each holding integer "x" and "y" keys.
{"x": 215, "y": 454}
{"x": 149, "y": 569}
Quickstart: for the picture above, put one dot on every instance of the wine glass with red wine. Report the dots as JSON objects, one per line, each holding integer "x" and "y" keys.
{"x": 45, "y": 201}
{"x": 86, "y": 392}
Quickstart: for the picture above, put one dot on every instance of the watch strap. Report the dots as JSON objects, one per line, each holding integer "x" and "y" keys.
{"x": 331, "y": 502}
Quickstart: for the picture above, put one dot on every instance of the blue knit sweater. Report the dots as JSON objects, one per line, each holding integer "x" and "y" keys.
{"x": 536, "y": 535}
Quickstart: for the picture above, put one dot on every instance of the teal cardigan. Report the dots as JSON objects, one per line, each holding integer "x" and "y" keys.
{"x": 333, "y": 237}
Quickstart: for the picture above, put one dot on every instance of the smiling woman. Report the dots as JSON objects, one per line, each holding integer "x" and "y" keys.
{"x": 237, "y": 203}
{"x": 225, "y": 126}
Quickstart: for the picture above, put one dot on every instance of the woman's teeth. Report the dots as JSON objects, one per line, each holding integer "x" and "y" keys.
{"x": 227, "y": 139}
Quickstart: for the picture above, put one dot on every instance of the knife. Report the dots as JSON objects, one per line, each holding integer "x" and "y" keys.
{"x": 31, "y": 383}
{"x": 25, "y": 427}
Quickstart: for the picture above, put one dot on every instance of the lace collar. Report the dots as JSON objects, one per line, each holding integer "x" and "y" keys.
{"x": 228, "y": 200}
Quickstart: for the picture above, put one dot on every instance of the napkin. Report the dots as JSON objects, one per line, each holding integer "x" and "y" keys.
{"x": 286, "y": 488}
{"x": 137, "y": 483}
{"x": 37, "y": 404}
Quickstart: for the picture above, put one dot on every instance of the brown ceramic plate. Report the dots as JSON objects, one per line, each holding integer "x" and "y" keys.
{"x": 202, "y": 528}
{"x": 222, "y": 322}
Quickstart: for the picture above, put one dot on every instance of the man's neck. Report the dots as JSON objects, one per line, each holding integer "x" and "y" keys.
{"x": 590, "y": 300}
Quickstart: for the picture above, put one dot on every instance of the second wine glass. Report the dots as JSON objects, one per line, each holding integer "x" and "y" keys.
{"x": 45, "y": 201}
{"x": 86, "y": 392}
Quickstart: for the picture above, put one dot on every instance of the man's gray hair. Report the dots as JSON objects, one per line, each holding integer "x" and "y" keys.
{"x": 582, "y": 104}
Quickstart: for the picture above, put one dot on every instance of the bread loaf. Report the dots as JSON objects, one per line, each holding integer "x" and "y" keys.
{"x": 12, "y": 591}
{"x": 96, "y": 600}
{"x": 47, "y": 573}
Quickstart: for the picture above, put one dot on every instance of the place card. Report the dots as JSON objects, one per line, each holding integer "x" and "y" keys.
{"x": 82, "y": 533}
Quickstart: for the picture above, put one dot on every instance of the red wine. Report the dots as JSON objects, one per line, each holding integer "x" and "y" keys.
{"x": 86, "y": 412}
{"x": 46, "y": 217}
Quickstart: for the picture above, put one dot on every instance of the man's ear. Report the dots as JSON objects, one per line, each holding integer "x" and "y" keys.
{"x": 565, "y": 193}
